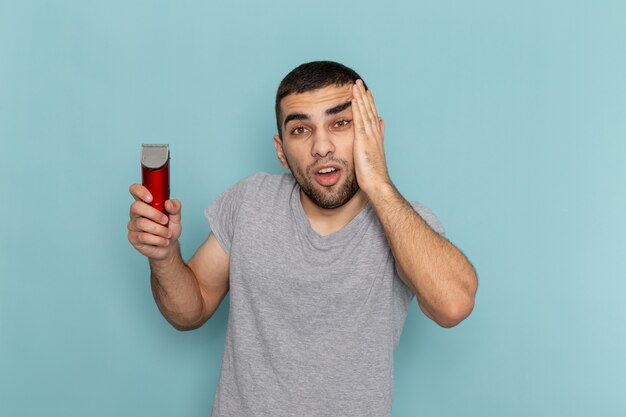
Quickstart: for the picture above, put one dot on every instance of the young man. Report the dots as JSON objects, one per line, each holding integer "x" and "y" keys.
{"x": 321, "y": 263}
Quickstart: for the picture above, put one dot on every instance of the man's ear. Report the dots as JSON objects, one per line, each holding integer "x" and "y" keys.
{"x": 278, "y": 144}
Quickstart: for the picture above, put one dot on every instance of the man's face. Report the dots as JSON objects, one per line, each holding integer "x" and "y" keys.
{"x": 317, "y": 144}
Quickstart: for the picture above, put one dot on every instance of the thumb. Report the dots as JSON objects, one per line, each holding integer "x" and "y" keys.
{"x": 173, "y": 208}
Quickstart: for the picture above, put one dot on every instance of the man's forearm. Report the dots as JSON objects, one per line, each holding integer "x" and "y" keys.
{"x": 176, "y": 292}
{"x": 440, "y": 276}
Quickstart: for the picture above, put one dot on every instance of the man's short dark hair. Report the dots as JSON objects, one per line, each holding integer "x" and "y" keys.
{"x": 313, "y": 76}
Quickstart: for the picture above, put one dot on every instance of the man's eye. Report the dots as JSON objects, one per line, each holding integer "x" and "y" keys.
{"x": 343, "y": 123}
{"x": 298, "y": 130}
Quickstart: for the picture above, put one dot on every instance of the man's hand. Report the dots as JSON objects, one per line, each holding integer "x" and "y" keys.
{"x": 151, "y": 232}
{"x": 369, "y": 131}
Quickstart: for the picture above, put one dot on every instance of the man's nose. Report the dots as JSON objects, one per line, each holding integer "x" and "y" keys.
{"x": 322, "y": 144}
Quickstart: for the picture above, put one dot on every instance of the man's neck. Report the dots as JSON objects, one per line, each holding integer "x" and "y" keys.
{"x": 328, "y": 221}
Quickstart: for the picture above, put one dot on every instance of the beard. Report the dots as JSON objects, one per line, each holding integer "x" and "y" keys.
{"x": 326, "y": 197}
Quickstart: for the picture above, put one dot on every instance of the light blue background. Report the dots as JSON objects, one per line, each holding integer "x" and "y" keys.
{"x": 508, "y": 119}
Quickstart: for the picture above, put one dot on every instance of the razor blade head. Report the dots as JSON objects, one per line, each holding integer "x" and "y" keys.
{"x": 154, "y": 156}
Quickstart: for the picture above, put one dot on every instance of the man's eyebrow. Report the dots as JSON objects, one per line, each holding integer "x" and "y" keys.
{"x": 302, "y": 116}
{"x": 295, "y": 116}
{"x": 339, "y": 108}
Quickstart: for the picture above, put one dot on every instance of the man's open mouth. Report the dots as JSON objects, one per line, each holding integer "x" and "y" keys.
{"x": 327, "y": 176}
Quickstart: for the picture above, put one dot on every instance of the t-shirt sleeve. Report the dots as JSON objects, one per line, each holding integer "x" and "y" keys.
{"x": 429, "y": 217}
{"x": 223, "y": 212}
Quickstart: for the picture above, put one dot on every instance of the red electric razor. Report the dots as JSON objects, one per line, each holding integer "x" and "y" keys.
{"x": 155, "y": 173}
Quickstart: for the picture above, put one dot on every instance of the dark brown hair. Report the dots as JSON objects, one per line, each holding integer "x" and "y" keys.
{"x": 312, "y": 76}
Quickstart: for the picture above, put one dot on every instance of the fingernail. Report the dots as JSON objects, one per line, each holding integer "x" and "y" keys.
{"x": 164, "y": 219}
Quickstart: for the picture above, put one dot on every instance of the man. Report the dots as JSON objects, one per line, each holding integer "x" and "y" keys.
{"x": 321, "y": 264}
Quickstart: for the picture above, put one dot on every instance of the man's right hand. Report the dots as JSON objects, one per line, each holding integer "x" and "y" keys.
{"x": 151, "y": 232}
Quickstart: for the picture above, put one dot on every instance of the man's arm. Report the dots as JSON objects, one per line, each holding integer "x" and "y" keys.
{"x": 442, "y": 279}
{"x": 187, "y": 294}
{"x": 440, "y": 276}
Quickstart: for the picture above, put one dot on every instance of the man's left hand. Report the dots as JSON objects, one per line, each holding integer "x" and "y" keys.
{"x": 369, "y": 131}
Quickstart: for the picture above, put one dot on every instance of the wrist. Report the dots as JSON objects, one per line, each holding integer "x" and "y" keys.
{"x": 172, "y": 255}
{"x": 380, "y": 189}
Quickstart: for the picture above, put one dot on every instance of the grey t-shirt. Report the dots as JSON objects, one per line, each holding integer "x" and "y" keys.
{"x": 314, "y": 320}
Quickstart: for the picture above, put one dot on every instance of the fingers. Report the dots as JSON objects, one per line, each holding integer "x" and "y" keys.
{"x": 141, "y": 240}
{"x": 357, "y": 112}
{"x": 140, "y": 209}
{"x": 143, "y": 231}
{"x": 173, "y": 207}
{"x": 364, "y": 111}
{"x": 144, "y": 225}
{"x": 149, "y": 238}
{"x": 367, "y": 101}
{"x": 140, "y": 193}
{"x": 151, "y": 232}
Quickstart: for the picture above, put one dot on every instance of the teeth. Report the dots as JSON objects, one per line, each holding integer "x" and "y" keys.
{"x": 326, "y": 170}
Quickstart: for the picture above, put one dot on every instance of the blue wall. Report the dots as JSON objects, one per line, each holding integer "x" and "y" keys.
{"x": 508, "y": 119}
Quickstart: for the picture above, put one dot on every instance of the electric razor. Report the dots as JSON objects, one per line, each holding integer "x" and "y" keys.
{"x": 155, "y": 173}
